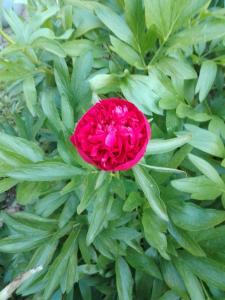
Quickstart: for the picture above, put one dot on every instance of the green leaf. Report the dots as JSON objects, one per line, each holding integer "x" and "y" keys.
{"x": 168, "y": 16}
{"x": 68, "y": 211}
{"x": 204, "y": 140}
{"x": 133, "y": 201}
{"x": 6, "y": 184}
{"x": 124, "y": 281}
{"x": 81, "y": 70}
{"x": 90, "y": 182}
{"x": 68, "y": 152}
{"x": 158, "y": 146}
{"x": 45, "y": 171}
{"x": 87, "y": 269}
{"x": 26, "y": 192}
{"x": 67, "y": 16}
{"x": 212, "y": 240}
{"x": 173, "y": 279}
{"x": 62, "y": 78}
{"x": 191, "y": 282}
{"x": 137, "y": 89}
{"x": 32, "y": 220}
{"x": 43, "y": 255}
{"x": 71, "y": 185}
{"x": 217, "y": 126}
{"x": 21, "y": 243}
{"x": 72, "y": 275}
{"x": 105, "y": 83}
{"x": 41, "y": 32}
{"x": 186, "y": 111}
{"x": 115, "y": 23}
{"x": 48, "y": 204}
{"x": 15, "y": 23}
{"x": 66, "y": 35}
{"x": 50, "y": 109}
{"x": 28, "y": 224}
{"x": 123, "y": 233}
{"x": 207, "y": 169}
{"x": 179, "y": 156}
{"x": 206, "y": 79}
{"x": 200, "y": 187}
{"x": 199, "y": 33}
{"x": 192, "y": 217}
{"x": 135, "y": 18}
{"x": 101, "y": 178}
{"x": 151, "y": 192}
{"x": 59, "y": 265}
{"x": 207, "y": 269}
{"x": 12, "y": 158}
{"x": 162, "y": 169}
{"x": 85, "y": 21}
{"x": 157, "y": 287}
{"x": 12, "y": 71}
{"x": 154, "y": 231}
{"x": 40, "y": 18}
{"x": 118, "y": 186}
{"x": 164, "y": 89}
{"x": 169, "y": 295}
{"x": 108, "y": 247}
{"x": 126, "y": 53}
{"x": 185, "y": 240}
{"x": 30, "y": 94}
{"x": 85, "y": 290}
{"x": 223, "y": 163}
{"x": 49, "y": 45}
{"x": 67, "y": 113}
{"x": 16, "y": 145}
{"x": 144, "y": 263}
{"x": 99, "y": 213}
{"x": 159, "y": 13}
{"x": 86, "y": 251}
{"x": 176, "y": 68}
{"x": 79, "y": 47}
{"x": 168, "y": 103}
{"x": 91, "y": 5}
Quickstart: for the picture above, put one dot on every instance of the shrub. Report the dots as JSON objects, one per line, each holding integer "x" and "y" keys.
{"x": 153, "y": 232}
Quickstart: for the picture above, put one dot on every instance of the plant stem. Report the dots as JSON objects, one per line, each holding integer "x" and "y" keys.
{"x": 6, "y": 37}
{"x": 7, "y": 292}
{"x": 157, "y": 53}
{"x": 161, "y": 47}
{"x": 208, "y": 107}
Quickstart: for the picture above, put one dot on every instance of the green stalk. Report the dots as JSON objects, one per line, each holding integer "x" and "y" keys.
{"x": 6, "y": 37}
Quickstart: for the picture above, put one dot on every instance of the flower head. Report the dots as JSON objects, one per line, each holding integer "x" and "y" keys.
{"x": 112, "y": 135}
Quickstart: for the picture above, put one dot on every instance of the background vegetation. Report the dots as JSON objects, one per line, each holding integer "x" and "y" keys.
{"x": 154, "y": 232}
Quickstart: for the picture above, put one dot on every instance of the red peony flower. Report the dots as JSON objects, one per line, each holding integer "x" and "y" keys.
{"x": 112, "y": 135}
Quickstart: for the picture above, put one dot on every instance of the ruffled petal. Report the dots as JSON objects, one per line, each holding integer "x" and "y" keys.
{"x": 112, "y": 135}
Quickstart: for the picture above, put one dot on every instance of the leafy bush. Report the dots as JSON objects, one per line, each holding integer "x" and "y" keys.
{"x": 153, "y": 232}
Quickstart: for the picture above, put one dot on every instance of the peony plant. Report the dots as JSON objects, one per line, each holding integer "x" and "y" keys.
{"x": 96, "y": 203}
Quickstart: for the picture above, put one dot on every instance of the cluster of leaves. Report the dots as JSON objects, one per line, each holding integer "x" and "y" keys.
{"x": 154, "y": 232}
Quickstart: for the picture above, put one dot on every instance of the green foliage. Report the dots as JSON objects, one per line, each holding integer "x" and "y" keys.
{"x": 155, "y": 232}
